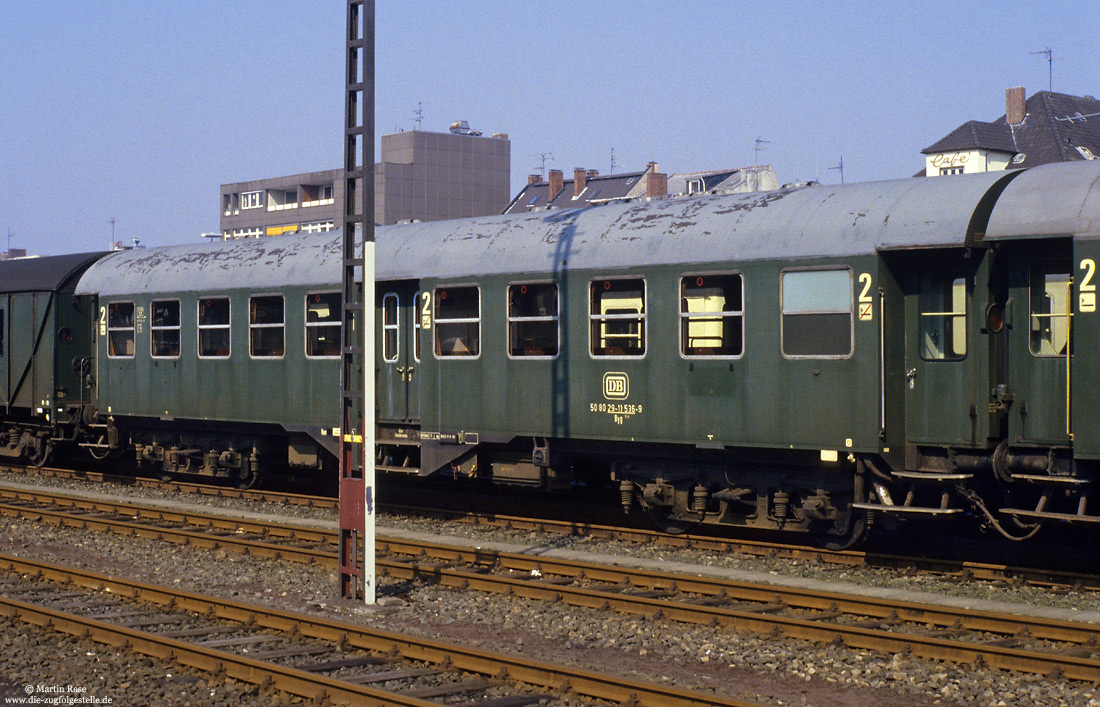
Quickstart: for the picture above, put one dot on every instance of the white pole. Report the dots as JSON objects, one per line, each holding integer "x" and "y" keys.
{"x": 370, "y": 498}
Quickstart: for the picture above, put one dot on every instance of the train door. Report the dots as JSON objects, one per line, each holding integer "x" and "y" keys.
{"x": 943, "y": 403}
{"x": 398, "y": 354}
{"x": 1085, "y": 382}
{"x": 1040, "y": 342}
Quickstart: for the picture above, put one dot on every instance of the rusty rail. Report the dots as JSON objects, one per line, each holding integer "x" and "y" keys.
{"x": 499, "y": 667}
{"x": 936, "y": 632}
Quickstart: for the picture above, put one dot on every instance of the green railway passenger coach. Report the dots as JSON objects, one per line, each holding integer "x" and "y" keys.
{"x": 798, "y": 359}
{"x": 45, "y": 356}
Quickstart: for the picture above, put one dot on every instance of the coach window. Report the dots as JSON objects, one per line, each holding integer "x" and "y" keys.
{"x": 323, "y": 325}
{"x": 120, "y": 330}
{"x": 164, "y": 329}
{"x": 416, "y": 326}
{"x": 711, "y": 315}
{"x": 617, "y": 317}
{"x": 533, "y": 320}
{"x": 266, "y": 318}
{"x": 457, "y": 321}
{"x": 214, "y": 327}
{"x": 1050, "y": 310}
{"x": 817, "y": 313}
{"x": 391, "y": 313}
{"x": 942, "y": 301}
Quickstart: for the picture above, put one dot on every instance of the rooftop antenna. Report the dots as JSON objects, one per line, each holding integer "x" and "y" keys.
{"x": 1050, "y": 68}
{"x": 840, "y": 166}
{"x": 112, "y": 222}
{"x": 543, "y": 157}
{"x": 10, "y": 234}
{"x": 613, "y": 160}
{"x": 756, "y": 149}
{"x": 419, "y": 113}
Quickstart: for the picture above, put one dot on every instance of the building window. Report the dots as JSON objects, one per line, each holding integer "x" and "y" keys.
{"x": 164, "y": 329}
{"x": 266, "y": 318}
{"x": 950, "y": 170}
{"x": 533, "y": 320}
{"x": 214, "y": 327}
{"x": 316, "y": 195}
{"x": 1050, "y": 310}
{"x": 323, "y": 325}
{"x": 120, "y": 330}
{"x": 316, "y": 227}
{"x": 942, "y": 303}
{"x": 391, "y": 317}
{"x": 817, "y": 313}
{"x": 229, "y": 205}
{"x": 617, "y": 317}
{"x": 457, "y": 321}
{"x": 252, "y": 199}
{"x": 711, "y": 315}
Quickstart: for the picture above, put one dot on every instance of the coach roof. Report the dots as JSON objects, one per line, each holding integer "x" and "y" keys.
{"x": 45, "y": 274}
{"x": 798, "y": 223}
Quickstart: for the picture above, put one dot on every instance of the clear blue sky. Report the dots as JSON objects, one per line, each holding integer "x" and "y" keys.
{"x": 138, "y": 110}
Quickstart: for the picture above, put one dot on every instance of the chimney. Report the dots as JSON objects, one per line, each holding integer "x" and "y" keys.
{"x": 652, "y": 167}
{"x": 656, "y": 183}
{"x": 1015, "y": 107}
{"x": 556, "y": 183}
{"x": 533, "y": 179}
{"x": 578, "y": 181}
{"x": 593, "y": 173}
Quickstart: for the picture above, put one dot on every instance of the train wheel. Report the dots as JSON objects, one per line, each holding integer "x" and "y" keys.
{"x": 40, "y": 454}
{"x": 858, "y": 528}
{"x": 246, "y": 479}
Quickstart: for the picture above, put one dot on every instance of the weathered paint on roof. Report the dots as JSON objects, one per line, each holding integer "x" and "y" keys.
{"x": 802, "y": 223}
{"x": 254, "y": 264}
{"x": 1055, "y": 199}
{"x": 43, "y": 274}
{"x": 808, "y": 222}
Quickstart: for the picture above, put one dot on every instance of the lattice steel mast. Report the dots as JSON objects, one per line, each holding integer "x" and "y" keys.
{"x": 357, "y": 503}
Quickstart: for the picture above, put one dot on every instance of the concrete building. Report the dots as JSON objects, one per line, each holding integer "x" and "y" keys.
{"x": 1048, "y": 127}
{"x": 589, "y": 188}
{"x": 422, "y": 175}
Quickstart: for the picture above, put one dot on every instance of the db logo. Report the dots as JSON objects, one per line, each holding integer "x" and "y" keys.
{"x": 616, "y": 386}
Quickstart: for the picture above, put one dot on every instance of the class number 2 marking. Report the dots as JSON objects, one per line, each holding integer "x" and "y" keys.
{"x": 1086, "y": 301}
{"x": 865, "y": 302}
{"x": 425, "y": 310}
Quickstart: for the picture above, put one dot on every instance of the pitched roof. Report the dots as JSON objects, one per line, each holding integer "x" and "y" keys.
{"x": 975, "y": 135}
{"x": 1057, "y": 128}
{"x": 596, "y": 189}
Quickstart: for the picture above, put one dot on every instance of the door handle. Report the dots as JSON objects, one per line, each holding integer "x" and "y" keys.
{"x": 911, "y": 376}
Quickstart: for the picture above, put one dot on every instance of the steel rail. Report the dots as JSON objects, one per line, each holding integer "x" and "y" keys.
{"x": 965, "y": 569}
{"x": 771, "y": 550}
{"x": 504, "y": 667}
{"x": 438, "y": 563}
{"x": 297, "y": 682}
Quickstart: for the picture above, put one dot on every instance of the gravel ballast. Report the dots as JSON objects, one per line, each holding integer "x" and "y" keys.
{"x": 764, "y": 669}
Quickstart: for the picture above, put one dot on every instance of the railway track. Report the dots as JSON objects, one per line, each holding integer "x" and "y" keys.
{"x": 304, "y": 655}
{"x": 1006, "y": 641}
{"x": 966, "y": 570}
